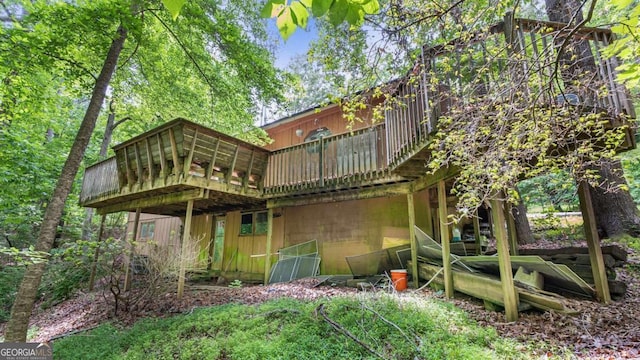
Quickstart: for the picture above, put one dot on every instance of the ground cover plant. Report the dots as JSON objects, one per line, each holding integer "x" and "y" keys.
{"x": 358, "y": 327}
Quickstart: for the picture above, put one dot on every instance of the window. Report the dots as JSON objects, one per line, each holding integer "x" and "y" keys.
{"x": 147, "y": 230}
{"x": 253, "y": 223}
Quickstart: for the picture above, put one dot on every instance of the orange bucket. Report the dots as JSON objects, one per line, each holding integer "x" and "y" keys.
{"x": 399, "y": 279}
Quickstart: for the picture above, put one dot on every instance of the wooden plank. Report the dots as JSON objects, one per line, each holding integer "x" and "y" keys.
{"x": 136, "y": 152}
{"x": 412, "y": 237}
{"x": 152, "y": 201}
{"x": 212, "y": 162}
{"x": 134, "y": 238}
{"x": 128, "y": 168}
{"x": 164, "y": 168}
{"x": 444, "y": 239}
{"x": 487, "y": 288}
{"x": 187, "y": 164}
{"x": 511, "y": 230}
{"x": 593, "y": 242}
{"x": 504, "y": 262}
{"x": 174, "y": 153}
{"x": 476, "y": 233}
{"x": 232, "y": 166}
{"x": 186, "y": 238}
{"x": 247, "y": 175}
{"x": 147, "y": 145}
{"x": 267, "y": 262}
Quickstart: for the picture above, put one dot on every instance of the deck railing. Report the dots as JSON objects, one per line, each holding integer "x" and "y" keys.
{"x": 516, "y": 62}
{"x": 343, "y": 159}
{"x": 99, "y": 180}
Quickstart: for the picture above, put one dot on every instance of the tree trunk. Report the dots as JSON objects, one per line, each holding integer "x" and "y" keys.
{"x": 523, "y": 229}
{"x": 16, "y": 330}
{"x": 615, "y": 212}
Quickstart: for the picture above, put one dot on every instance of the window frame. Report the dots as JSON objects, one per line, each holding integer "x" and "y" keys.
{"x": 145, "y": 226}
{"x": 257, "y": 228}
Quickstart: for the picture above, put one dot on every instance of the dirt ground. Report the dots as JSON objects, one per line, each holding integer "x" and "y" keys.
{"x": 597, "y": 332}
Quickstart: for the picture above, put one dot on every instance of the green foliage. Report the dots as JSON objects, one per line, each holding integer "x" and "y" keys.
{"x": 290, "y": 16}
{"x": 10, "y": 278}
{"x": 289, "y": 329}
{"x": 631, "y": 164}
{"x": 627, "y": 44}
{"x": 236, "y": 284}
{"x": 555, "y": 191}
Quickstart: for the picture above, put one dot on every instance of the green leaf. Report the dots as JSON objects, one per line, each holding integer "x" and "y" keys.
{"x": 371, "y": 7}
{"x": 320, "y": 7}
{"x": 174, "y": 7}
{"x": 355, "y": 15}
{"x": 272, "y": 8}
{"x": 285, "y": 23}
{"x": 307, "y": 3}
{"x": 338, "y": 12}
{"x": 300, "y": 14}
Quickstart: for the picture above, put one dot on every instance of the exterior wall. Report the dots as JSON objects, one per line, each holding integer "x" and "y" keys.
{"x": 351, "y": 227}
{"x": 284, "y": 133}
{"x": 238, "y": 249}
{"x": 167, "y": 237}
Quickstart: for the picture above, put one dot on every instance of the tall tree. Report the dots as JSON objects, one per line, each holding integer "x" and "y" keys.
{"x": 68, "y": 37}
{"x": 616, "y": 213}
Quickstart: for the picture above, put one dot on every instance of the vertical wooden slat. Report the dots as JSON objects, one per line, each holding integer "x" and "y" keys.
{"x": 187, "y": 163}
{"x": 511, "y": 230}
{"x": 163, "y": 161}
{"x": 476, "y": 233}
{"x": 321, "y": 162}
{"x": 267, "y": 262}
{"x": 212, "y": 163}
{"x": 136, "y": 153}
{"x": 130, "y": 180}
{"x": 174, "y": 153}
{"x": 504, "y": 262}
{"x": 186, "y": 238}
{"x": 245, "y": 181}
{"x": 412, "y": 237}
{"x": 147, "y": 144}
{"x": 132, "y": 248}
{"x": 593, "y": 243}
{"x": 444, "y": 239}
{"x": 229, "y": 173}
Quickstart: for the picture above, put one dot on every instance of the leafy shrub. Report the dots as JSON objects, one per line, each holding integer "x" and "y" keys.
{"x": 10, "y": 278}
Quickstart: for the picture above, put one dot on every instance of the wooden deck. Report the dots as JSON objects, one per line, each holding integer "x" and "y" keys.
{"x": 513, "y": 62}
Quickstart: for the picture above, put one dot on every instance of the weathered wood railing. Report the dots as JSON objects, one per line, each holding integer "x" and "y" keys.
{"x": 100, "y": 179}
{"x": 516, "y": 62}
{"x": 345, "y": 159}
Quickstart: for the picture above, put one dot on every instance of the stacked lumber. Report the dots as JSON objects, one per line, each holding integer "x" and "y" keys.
{"x": 577, "y": 259}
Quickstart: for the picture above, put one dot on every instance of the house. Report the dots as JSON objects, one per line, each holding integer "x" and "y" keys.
{"x": 353, "y": 191}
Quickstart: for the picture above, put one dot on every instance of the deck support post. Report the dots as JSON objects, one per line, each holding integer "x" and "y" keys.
{"x": 412, "y": 236}
{"x": 134, "y": 238}
{"x": 444, "y": 239}
{"x": 96, "y": 254}
{"x": 593, "y": 242}
{"x": 511, "y": 230}
{"x": 186, "y": 237}
{"x": 504, "y": 262}
{"x": 476, "y": 233}
{"x": 429, "y": 215}
{"x": 267, "y": 257}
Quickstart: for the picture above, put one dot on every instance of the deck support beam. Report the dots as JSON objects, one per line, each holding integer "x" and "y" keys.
{"x": 186, "y": 237}
{"x": 96, "y": 254}
{"x": 593, "y": 242}
{"x": 504, "y": 262}
{"x": 476, "y": 233}
{"x": 267, "y": 257}
{"x": 412, "y": 236}
{"x": 134, "y": 238}
{"x": 444, "y": 239}
{"x": 511, "y": 230}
